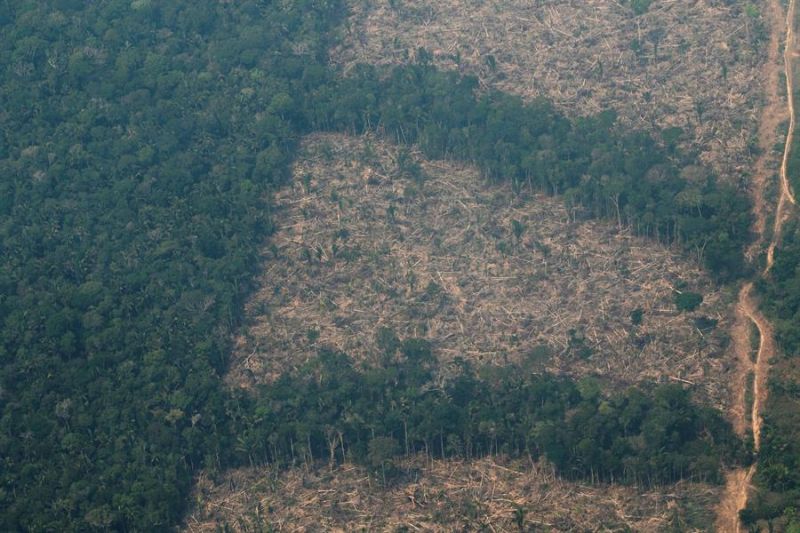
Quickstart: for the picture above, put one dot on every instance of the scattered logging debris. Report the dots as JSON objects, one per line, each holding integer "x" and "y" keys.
{"x": 372, "y": 238}
{"x": 490, "y": 494}
{"x": 686, "y": 70}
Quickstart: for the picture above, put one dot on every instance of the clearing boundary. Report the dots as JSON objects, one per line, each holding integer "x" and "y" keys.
{"x": 738, "y": 481}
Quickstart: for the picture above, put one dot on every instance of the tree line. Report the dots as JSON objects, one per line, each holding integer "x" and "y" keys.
{"x": 333, "y": 411}
{"x": 600, "y": 169}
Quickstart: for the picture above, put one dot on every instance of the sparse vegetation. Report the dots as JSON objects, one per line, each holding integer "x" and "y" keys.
{"x": 441, "y": 496}
{"x": 640, "y": 7}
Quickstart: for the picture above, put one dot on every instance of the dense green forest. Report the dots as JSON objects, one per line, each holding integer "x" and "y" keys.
{"x": 139, "y": 145}
{"x": 139, "y": 142}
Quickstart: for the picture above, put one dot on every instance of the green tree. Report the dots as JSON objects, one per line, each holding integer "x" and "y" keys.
{"x": 381, "y": 455}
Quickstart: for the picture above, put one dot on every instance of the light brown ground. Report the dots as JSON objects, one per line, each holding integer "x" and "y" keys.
{"x": 766, "y": 350}
{"x": 705, "y": 78}
{"x": 748, "y": 312}
{"x": 734, "y": 499}
{"x": 740, "y": 339}
{"x": 490, "y": 306}
{"x": 738, "y": 481}
{"x": 481, "y": 495}
{"x": 440, "y": 261}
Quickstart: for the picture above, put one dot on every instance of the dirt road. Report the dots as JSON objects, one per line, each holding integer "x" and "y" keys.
{"x": 773, "y": 113}
{"x": 786, "y": 195}
{"x": 738, "y": 481}
{"x": 760, "y": 369}
{"x": 789, "y": 54}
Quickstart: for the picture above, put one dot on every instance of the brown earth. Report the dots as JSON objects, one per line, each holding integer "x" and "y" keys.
{"x": 733, "y": 500}
{"x": 490, "y": 303}
{"x": 773, "y": 115}
{"x": 738, "y": 482}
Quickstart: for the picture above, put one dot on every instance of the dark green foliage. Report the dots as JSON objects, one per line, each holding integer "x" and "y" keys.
{"x": 705, "y": 324}
{"x": 781, "y": 291}
{"x": 793, "y": 162}
{"x": 518, "y": 228}
{"x": 637, "y": 436}
{"x": 687, "y": 301}
{"x": 381, "y": 452}
{"x": 139, "y": 142}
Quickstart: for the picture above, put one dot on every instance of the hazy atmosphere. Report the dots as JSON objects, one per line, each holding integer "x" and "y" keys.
{"x": 399, "y": 265}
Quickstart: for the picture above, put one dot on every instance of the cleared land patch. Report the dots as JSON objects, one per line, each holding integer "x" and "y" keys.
{"x": 374, "y": 237}
{"x": 442, "y": 496}
{"x": 694, "y": 66}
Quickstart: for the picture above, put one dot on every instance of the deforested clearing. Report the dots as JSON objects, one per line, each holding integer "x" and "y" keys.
{"x": 486, "y": 494}
{"x": 373, "y": 238}
{"x": 690, "y": 70}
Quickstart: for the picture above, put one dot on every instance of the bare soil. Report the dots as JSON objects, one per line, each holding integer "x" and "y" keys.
{"x": 364, "y": 247}
{"x": 734, "y": 499}
{"x": 766, "y": 351}
{"x": 738, "y": 481}
{"x": 740, "y": 337}
{"x": 692, "y": 65}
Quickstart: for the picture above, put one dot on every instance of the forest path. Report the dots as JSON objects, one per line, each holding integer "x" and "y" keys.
{"x": 773, "y": 113}
{"x": 786, "y": 194}
{"x": 737, "y": 482}
{"x": 766, "y": 350}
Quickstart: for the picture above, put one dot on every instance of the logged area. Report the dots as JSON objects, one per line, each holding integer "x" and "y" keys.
{"x": 374, "y": 237}
{"x": 690, "y": 69}
{"x": 443, "y": 496}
